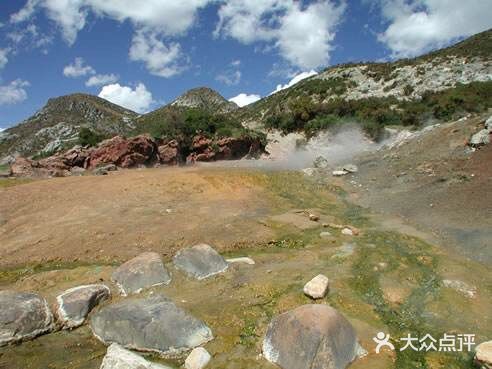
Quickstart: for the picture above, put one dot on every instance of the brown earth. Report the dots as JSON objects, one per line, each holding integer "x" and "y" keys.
{"x": 112, "y": 218}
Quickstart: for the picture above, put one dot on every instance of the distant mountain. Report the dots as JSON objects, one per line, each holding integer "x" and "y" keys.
{"x": 59, "y": 122}
{"x": 205, "y": 98}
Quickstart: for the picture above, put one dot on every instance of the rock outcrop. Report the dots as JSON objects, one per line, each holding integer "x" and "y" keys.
{"x": 124, "y": 153}
{"x": 311, "y": 337}
{"x": 76, "y": 303}
{"x": 144, "y": 271}
{"x": 227, "y": 148}
{"x": 23, "y": 316}
{"x": 200, "y": 261}
{"x": 150, "y": 324}
{"x": 119, "y": 358}
{"x": 169, "y": 153}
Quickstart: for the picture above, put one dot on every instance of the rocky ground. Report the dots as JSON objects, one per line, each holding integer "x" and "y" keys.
{"x": 61, "y": 233}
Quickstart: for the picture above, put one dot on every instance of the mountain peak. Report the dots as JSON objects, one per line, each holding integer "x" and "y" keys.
{"x": 204, "y": 98}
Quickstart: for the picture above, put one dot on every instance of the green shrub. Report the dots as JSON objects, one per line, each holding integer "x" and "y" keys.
{"x": 88, "y": 137}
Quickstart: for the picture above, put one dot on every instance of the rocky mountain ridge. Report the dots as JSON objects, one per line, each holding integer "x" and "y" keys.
{"x": 205, "y": 98}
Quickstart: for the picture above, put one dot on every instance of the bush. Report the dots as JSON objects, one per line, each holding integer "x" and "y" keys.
{"x": 88, "y": 137}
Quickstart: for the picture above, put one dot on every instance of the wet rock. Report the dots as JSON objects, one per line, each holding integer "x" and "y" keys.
{"x": 242, "y": 260}
{"x": 150, "y": 324}
{"x": 200, "y": 261}
{"x": 143, "y": 271}
{"x": 317, "y": 287}
{"x": 23, "y": 316}
{"x": 76, "y": 303}
{"x": 119, "y": 358}
{"x": 122, "y": 152}
{"x": 483, "y": 355}
{"x": 311, "y": 337}
{"x": 169, "y": 153}
{"x": 461, "y": 287}
{"x": 197, "y": 359}
{"x": 104, "y": 169}
{"x": 480, "y": 138}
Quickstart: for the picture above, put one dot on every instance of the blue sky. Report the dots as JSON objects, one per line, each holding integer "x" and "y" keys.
{"x": 144, "y": 56}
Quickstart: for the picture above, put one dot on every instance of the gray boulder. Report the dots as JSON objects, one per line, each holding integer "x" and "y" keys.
{"x": 23, "y": 316}
{"x": 143, "y": 271}
{"x": 480, "y": 138}
{"x": 119, "y": 358}
{"x": 150, "y": 324}
{"x": 76, "y": 303}
{"x": 311, "y": 337}
{"x": 200, "y": 261}
{"x": 488, "y": 124}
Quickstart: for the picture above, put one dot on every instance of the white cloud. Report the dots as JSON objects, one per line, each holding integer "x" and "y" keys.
{"x": 169, "y": 17}
{"x": 302, "y": 35}
{"x": 231, "y": 75}
{"x": 417, "y": 26}
{"x": 78, "y": 69}
{"x": 244, "y": 99}
{"x": 138, "y": 99}
{"x": 298, "y": 78}
{"x": 13, "y": 92}
{"x": 101, "y": 79}
{"x": 160, "y": 60}
{"x": 4, "y": 57}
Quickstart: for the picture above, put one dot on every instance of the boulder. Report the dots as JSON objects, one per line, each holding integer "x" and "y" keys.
{"x": 200, "y": 261}
{"x": 23, "y": 316}
{"x": 311, "y": 337}
{"x": 169, "y": 153}
{"x": 76, "y": 303}
{"x": 197, "y": 359}
{"x": 483, "y": 355}
{"x": 143, "y": 271}
{"x": 233, "y": 148}
{"x": 150, "y": 324}
{"x": 488, "y": 124}
{"x": 317, "y": 287}
{"x": 480, "y": 138}
{"x": 461, "y": 287}
{"x": 200, "y": 143}
{"x": 122, "y": 152}
{"x": 23, "y": 167}
{"x": 119, "y": 358}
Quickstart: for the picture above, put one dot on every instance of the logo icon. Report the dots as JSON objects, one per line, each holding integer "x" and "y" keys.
{"x": 382, "y": 340}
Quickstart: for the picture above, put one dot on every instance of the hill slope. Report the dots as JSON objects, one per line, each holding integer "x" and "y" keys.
{"x": 410, "y": 91}
{"x": 59, "y": 122}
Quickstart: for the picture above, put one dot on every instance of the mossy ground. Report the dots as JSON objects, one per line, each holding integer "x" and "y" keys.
{"x": 239, "y": 304}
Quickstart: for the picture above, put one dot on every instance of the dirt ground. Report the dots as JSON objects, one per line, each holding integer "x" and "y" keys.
{"x": 112, "y": 218}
